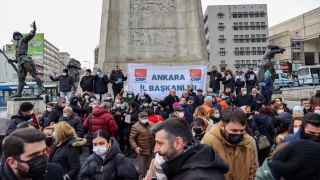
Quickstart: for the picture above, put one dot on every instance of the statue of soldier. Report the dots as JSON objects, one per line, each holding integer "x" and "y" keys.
{"x": 73, "y": 67}
{"x": 266, "y": 63}
{"x": 25, "y": 62}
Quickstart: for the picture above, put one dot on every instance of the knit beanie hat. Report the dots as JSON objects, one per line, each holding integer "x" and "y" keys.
{"x": 268, "y": 72}
{"x": 298, "y": 160}
{"x": 26, "y": 106}
{"x": 297, "y": 109}
{"x": 163, "y": 103}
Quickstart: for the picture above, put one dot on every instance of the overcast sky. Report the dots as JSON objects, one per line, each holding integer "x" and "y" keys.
{"x": 74, "y": 25}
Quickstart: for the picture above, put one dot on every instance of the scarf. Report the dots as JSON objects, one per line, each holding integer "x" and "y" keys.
{"x": 158, "y": 160}
{"x": 190, "y": 145}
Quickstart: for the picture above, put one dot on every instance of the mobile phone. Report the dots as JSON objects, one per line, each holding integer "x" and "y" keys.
{"x": 140, "y": 151}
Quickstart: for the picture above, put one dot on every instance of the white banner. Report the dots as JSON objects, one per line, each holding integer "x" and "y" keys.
{"x": 158, "y": 80}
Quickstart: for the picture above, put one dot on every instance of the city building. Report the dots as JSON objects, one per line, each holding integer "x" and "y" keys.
{"x": 7, "y": 73}
{"x": 64, "y": 57}
{"x": 236, "y": 35}
{"x": 300, "y": 37}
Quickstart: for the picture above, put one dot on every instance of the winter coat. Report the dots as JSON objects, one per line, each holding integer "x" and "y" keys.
{"x": 68, "y": 156}
{"x": 217, "y": 105}
{"x": 54, "y": 172}
{"x": 198, "y": 162}
{"x": 253, "y": 81}
{"x": 246, "y": 100}
{"x": 215, "y": 83}
{"x": 124, "y": 104}
{"x": 43, "y": 120}
{"x": 114, "y": 166}
{"x": 76, "y": 122}
{"x": 126, "y": 98}
{"x": 173, "y": 117}
{"x": 265, "y": 127}
{"x": 170, "y": 100}
{"x": 119, "y": 118}
{"x": 86, "y": 83}
{"x": 101, "y": 119}
{"x": 101, "y": 84}
{"x": 141, "y": 136}
{"x": 66, "y": 82}
{"x": 138, "y": 99}
{"x": 264, "y": 171}
{"x": 259, "y": 98}
{"x": 268, "y": 88}
{"x": 55, "y": 114}
{"x": 230, "y": 83}
{"x": 238, "y": 79}
{"x": 221, "y": 102}
{"x": 292, "y": 137}
{"x": 114, "y": 77}
{"x": 227, "y": 99}
{"x": 199, "y": 100}
{"x": 164, "y": 113}
{"x": 155, "y": 118}
{"x": 76, "y": 108}
{"x": 14, "y": 121}
{"x": 242, "y": 158}
{"x": 188, "y": 114}
{"x": 208, "y": 107}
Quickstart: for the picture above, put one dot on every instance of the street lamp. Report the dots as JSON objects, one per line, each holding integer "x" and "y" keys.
{"x": 89, "y": 64}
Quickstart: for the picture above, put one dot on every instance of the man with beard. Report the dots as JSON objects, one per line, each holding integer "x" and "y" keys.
{"x": 184, "y": 157}
{"x": 215, "y": 78}
{"x": 117, "y": 78}
{"x": 235, "y": 146}
{"x": 25, "y": 157}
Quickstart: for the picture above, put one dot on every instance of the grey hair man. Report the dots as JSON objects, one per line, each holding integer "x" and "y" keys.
{"x": 73, "y": 119}
{"x": 171, "y": 98}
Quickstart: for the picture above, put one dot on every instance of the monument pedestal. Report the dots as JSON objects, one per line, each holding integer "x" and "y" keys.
{"x": 13, "y": 104}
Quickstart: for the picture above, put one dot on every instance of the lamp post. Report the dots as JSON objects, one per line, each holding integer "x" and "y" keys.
{"x": 89, "y": 64}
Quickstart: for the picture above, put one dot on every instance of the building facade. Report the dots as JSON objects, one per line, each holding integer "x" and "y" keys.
{"x": 300, "y": 37}
{"x": 96, "y": 53}
{"x": 64, "y": 57}
{"x": 236, "y": 35}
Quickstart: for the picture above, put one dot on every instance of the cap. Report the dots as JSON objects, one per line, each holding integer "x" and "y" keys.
{"x": 178, "y": 108}
{"x": 88, "y": 70}
{"x": 65, "y": 70}
{"x": 142, "y": 114}
{"x": 284, "y": 118}
{"x": 26, "y": 106}
{"x": 199, "y": 90}
{"x": 130, "y": 92}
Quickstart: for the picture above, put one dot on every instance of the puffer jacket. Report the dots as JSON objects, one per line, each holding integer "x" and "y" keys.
{"x": 242, "y": 159}
{"x": 101, "y": 84}
{"x": 55, "y": 114}
{"x": 268, "y": 88}
{"x": 141, "y": 136}
{"x": 215, "y": 83}
{"x": 155, "y": 118}
{"x": 114, "y": 78}
{"x": 86, "y": 83}
{"x": 101, "y": 119}
{"x": 230, "y": 83}
{"x": 222, "y": 102}
{"x": 68, "y": 156}
{"x": 114, "y": 166}
{"x": 76, "y": 122}
{"x": 14, "y": 121}
{"x": 66, "y": 82}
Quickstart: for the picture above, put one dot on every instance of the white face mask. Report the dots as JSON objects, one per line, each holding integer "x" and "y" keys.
{"x": 144, "y": 121}
{"x": 295, "y": 130}
{"x": 181, "y": 114}
{"x": 223, "y": 97}
{"x": 86, "y": 97}
{"x": 31, "y": 112}
{"x": 317, "y": 111}
{"x": 307, "y": 107}
{"x": 280, "y": 111}
{"x": 118, "y": 105}
{"x": 108, "y": 98}
{"x": 100, "y": 150}
{"x": 244, "y": 92}
{"x": 64, "y": 74}
{"x": 217, "y": 116}
{"x": 254, "y": 94}
{"x": 49, "y": 109}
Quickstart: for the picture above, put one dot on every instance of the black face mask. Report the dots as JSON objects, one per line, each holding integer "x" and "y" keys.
{"x": 214, "y": 71}
{"x": 234, "y": 139}
{"x": 37, "y": 166}
{"x": 197, "y": 130}
{"x": 49, "y": 141}
{"x": 312, "y": 137}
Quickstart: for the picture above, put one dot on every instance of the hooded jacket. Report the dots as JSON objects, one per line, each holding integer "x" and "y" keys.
{"x": 114, "y": 166}
{"x": 264, "y": 171}
{"x": 198, "y": 162}
{"x": 268, "y": 88}
{"x": 76, "y": 108}
{"x": 215, "y": 83}
{"x": 242, "y": 158}
{"x": 55, "y": 114}
{"x": 86, "y": 83}
{"x": 101, "y": 84}
{"x": 66, "y": 82}
{"x": 68, "y": 156}
{"x": 114, "y": 77}
{"x": 230, "y": 83}
{"x": 14, "y": 121}
{"x": 126, "y": 98}
{"x": 101, "y": 119}
{"x": 76, "y": 122}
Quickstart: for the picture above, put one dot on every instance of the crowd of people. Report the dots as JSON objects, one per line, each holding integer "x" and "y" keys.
{"x": 240, "y": 133}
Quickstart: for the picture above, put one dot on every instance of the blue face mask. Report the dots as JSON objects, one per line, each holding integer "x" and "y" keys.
{"x": 65, "y": 115}
{"x": 155, "y": 103}
{"x": 63, "y": 105}
{"x": 144, "y": 121}
{"x": 54, "y": 135}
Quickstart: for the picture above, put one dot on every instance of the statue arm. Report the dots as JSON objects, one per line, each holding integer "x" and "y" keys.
{"x": 32, "y": 33}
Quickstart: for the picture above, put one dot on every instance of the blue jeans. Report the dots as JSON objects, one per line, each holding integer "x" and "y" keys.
{"x": 64, "y": 94}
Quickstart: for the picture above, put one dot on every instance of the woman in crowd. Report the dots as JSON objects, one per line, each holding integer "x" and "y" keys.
{"x": 295, "y": 125}
{"x": 280, "y": 108}
{"x": 43, "y": 120}
{"x": 266, "y": 86}
{"x": 199, "y": 127}
{"x": 152, "y": 117}
{"x": 215, "y": 115}
{"x": 85, "y": 97}
{"x": 118, "y": 111}
{"x": 107, "y": 162}
{"x": 48, "y": 131}
{"x": 316, "y": 108}
{"x": 163, "y": 109}
{"x": 201, "y": 112}
{"x": 228, "y": 80}
{"x": 226, "y": 98}
{"x": 67, "y": 150}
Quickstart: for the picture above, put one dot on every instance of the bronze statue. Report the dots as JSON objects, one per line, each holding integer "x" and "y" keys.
{"x": 73, "y": 67}
{"x": 266, "y": 63}
{"x": 25, "y": 62}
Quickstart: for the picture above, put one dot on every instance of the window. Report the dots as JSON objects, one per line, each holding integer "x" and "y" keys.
{"x": 254, "y": 62}
{"x": 242, "y": 49}
{"x": 245, "y": 15}
{"x": 243, "y": 61}
{"x": 256, "y": 15}
{"x": 259, "y": 48}
{"x": 236, "y": 36}
{"x": 237, "y": 61}
{"x": 251, "y": 15}
{"x": 263, "y": 35}
{"x": 234, "y": 16}
{"x": 247, "y": 48}
{"x": 246, "y": 41}
{"x": 264, "y": 48}
{"x": 241, "y": 40}
{"x": 297, "y": 33}
{"x": 259, "y": 61}
{"x": 259, "y": 53}
{"x": 251, "y": 23}
{"x": 296, "y": 56}
{"x": 247, "y": 36}
{"x": 239, "y": 14}
{"x": 262, "y": 14}
{"x": 247, "y": 61}
{"x": 222, "y": 52}
{"x": 222, "y": 49}
{"x": 241, "y": 36}
{"x": 242, "y": 53}
{"x": 253, "y": 36}
{"x": 221, "y": 36}
{"x": 221, "y": 28}
{"x": 220, "y": 24}
{"x": 223, "y": 68}
{"x": 236, "y": 49}
{"x": 264, "y": 40}
{"x": 240, "y": 24}
{"x": 235, "y": 24}
{"x": 257, "y": 24}
{"x": 258, "y": 28}
{"x": 253, "y": 40}
{"x": 241, "y": 28}
{"x": 246, "y": 28}
{"x": 235, "y": 28}
{"x": 258, "y": 35}
{"x": 221, "y": 40}
{"x": 263, "y": 28}
{"x": 222, "y": 62}
{"x": 258, "y": 40}
{"x": 263, "y": 23}
{"x": 236, "y": 41}
{"x": 220, "y": 16}
{"x": 252, "y": 28}
{"x": 295, "y": 45}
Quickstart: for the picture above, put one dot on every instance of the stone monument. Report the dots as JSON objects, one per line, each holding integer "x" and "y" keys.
{"x": 167, "y": 32}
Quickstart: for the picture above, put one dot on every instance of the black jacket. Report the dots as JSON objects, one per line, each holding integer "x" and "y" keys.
{"x": 246, "y": 100}
{"x": 66, "y": 82}
{"x": 14, "y": 121}
{"x": 101, "y": 84}
{"x": 228, "y": 83}
{"x": 198, "y": 162}
{"x": 199, "y": 100}
{"x": 259, "y": 98}
{"x": 115, "y": 166}
{"x": 114, "y": 78}
{"x": 238, "y": 78}
{"x": 43, "y": 120}
{"x": 140, "y": 101}
{"x": 76, "y": 122}
{"x": 265, "y": 127}
{"x": 164, "y": 113}
{"x": 215, "y": 83}
{"x": 76, "y": 108}
{"x": 68, "y": 156}
{"x": 55, "y": 114}
{"x": 170, "y": 100}
{"x": 54, "y": 172}
{"x": 86, "y": 83}
{"x": 251, "y": 82}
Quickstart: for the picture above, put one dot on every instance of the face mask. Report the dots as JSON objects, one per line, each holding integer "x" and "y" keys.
{"x": 31, "y": 112}
{"x": 295, "y": 130}
{"x": 65, "y": 115}
{"x": 118, "y": 105}
{"x": 63, "y": 105}
{"x": 92, "y": 99}
{"x": 144, "y": 121}
{"x": 223, "y": 97}
{"x": 244, "y": 92}
{"x": 54, "y": 135}
{"x": 129, "y": 96}
{"x": 108, "y": 98}
{"x": 234, "y": 139}
{"x": 312, "y": 137}
{"x": 142, "y": 97}
{"x": 197, "y": 130}
{"x": 49, "y": 141}
{"x": 100, "y": 150}
{"x": 93, "y": 106}
{"x": 280, "y": 111}
{"x": 49, "y": 109}
{"x": 317, "y": 111}
{"x": 254, "y": 94}
{"x": 145, "y": 104}
{"x": 64, "y": 74}
{"x": 217, "y": 115}
{"x": 37, "y": 166}
{"x": 248, "y": 114}
{"x": 155, "y": 103}
{"x": 181, "y": 114}
{"x": 86, "y": 97}
{"x": 307, "y": 108}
